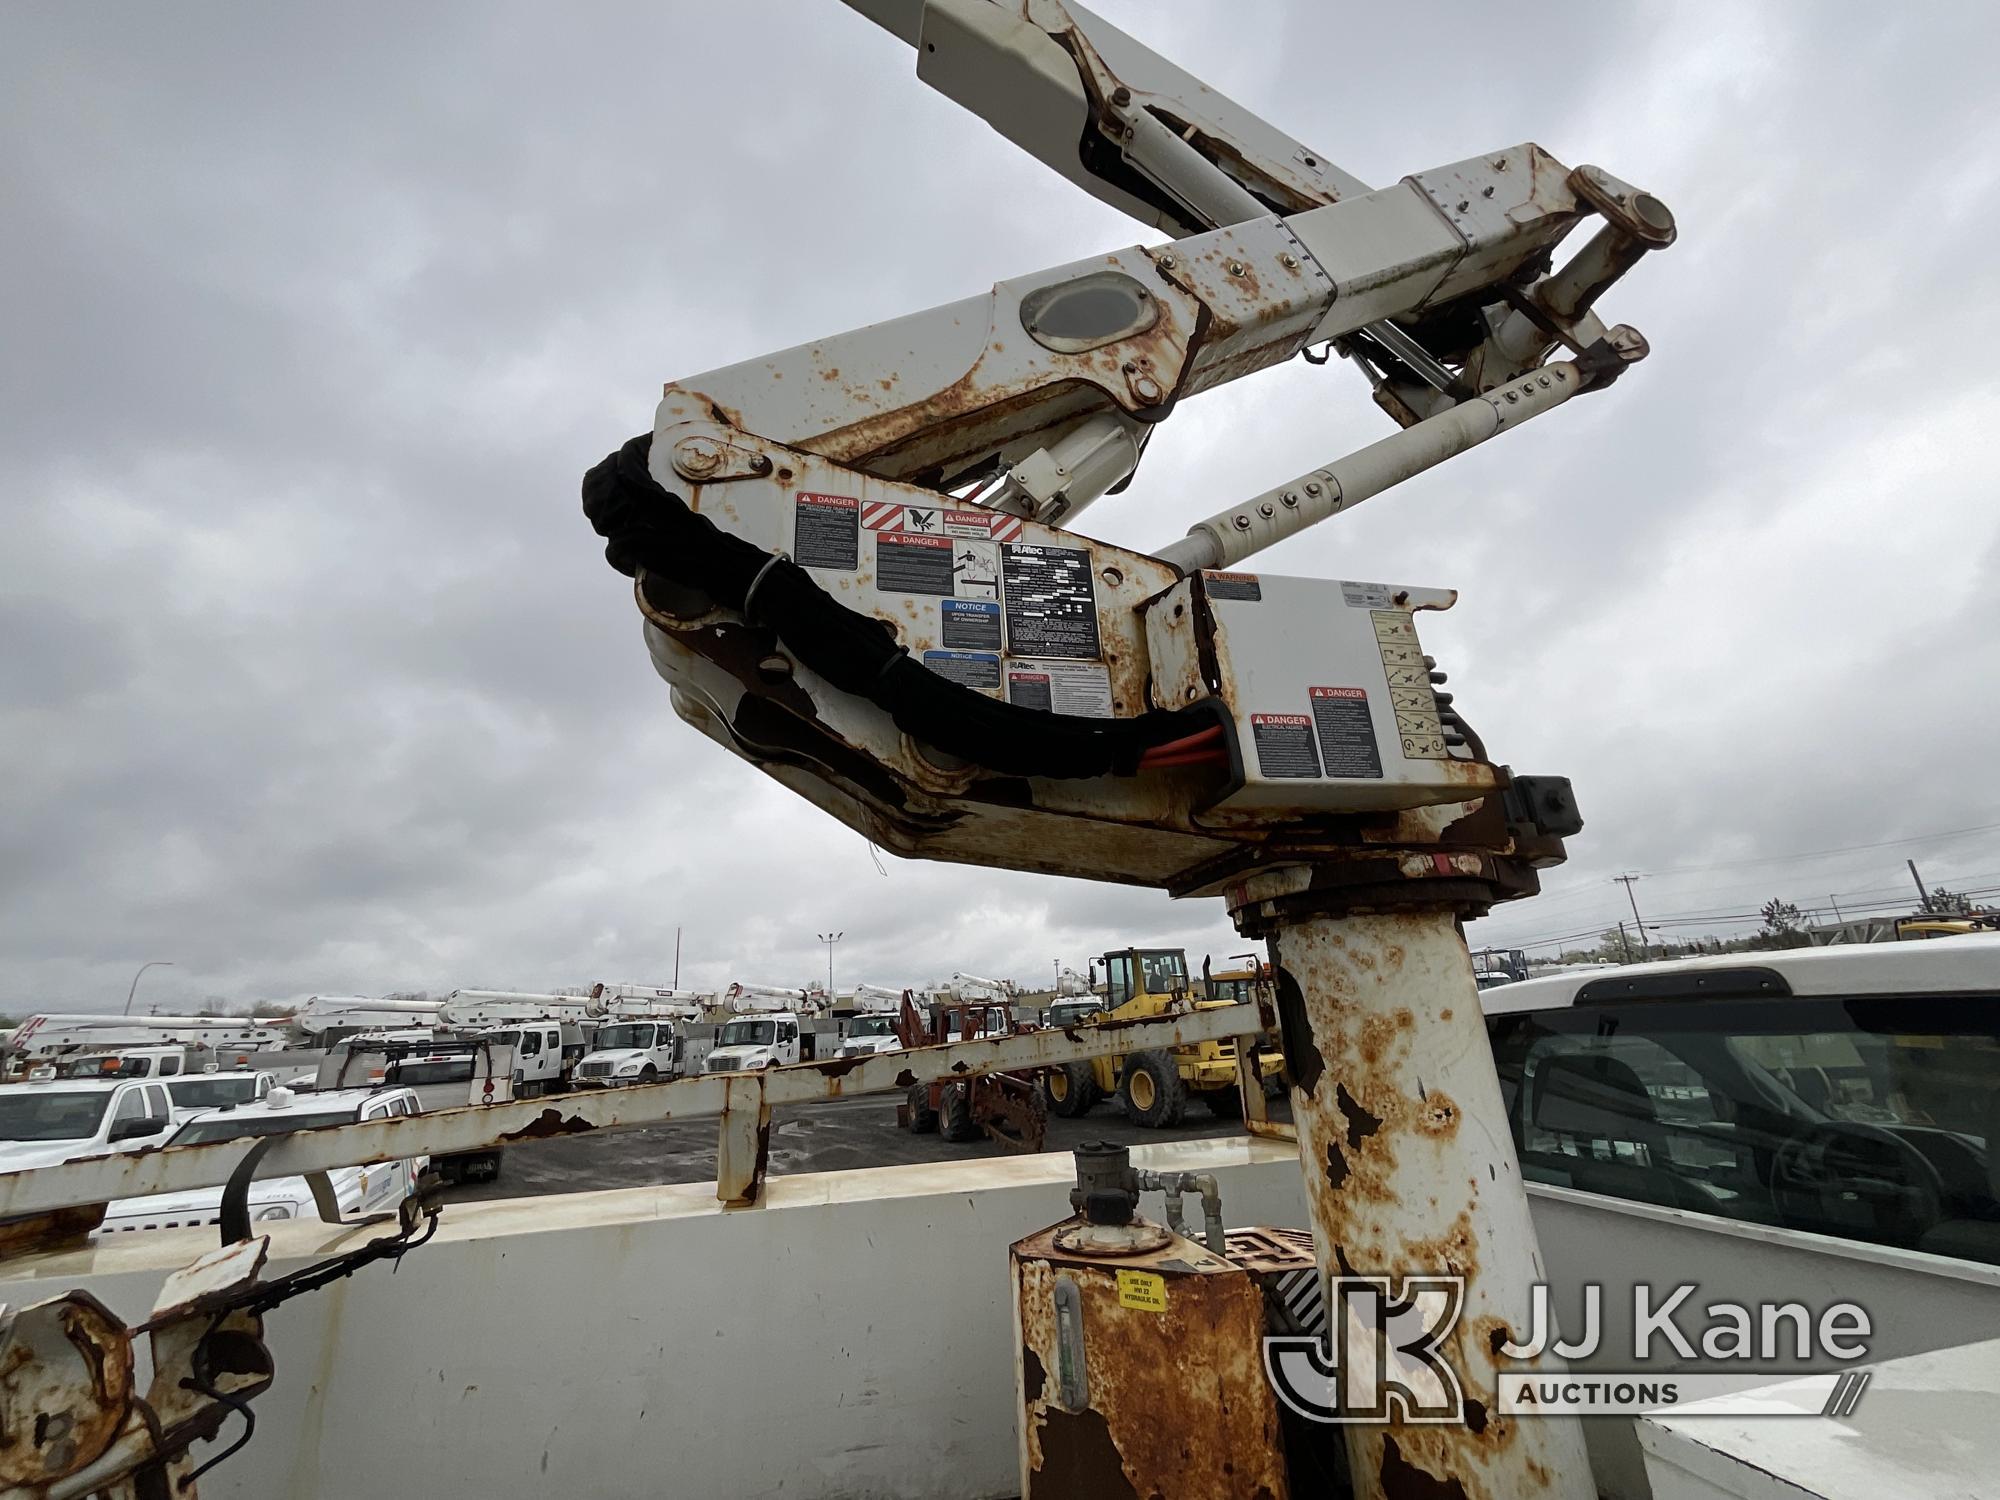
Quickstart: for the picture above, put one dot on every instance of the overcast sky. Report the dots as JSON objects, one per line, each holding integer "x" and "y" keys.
{"x": 313, "y": 678}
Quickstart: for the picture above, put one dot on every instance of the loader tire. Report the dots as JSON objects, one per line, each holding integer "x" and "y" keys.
{"x": 955, "y": 1120}
{"x": 1152, "y": 1090}
{"x": 1071, "y": 1090}
{"x": 923, "y": 1119}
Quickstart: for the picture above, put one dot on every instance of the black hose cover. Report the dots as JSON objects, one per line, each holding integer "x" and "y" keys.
{"x": 647, "y": 526}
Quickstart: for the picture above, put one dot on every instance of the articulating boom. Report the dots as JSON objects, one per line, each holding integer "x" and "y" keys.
{"x": 852, "y": 558}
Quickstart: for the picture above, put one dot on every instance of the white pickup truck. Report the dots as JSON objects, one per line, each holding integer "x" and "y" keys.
{"x": 50, "y": 1121}
{"x": 752, "y": 1042}
{"x": 869, "y": 1035}
{"x": 443, "y": 1073}
{"x": 626, "y": 1052}
{"x": 191, "y": 1093}
{"x": 357, "y": 1190}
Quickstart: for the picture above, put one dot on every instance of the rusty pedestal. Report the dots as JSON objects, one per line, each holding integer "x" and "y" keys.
{"x": 1409, "y": 1164}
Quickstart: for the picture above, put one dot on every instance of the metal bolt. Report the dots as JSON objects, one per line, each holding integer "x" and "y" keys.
{"x": 760, "y": 464}
{"x": 1487, "y": 191}
{"x": 1312, "y": 486}
{"x": 1289, "y": 261}
{"x": 1511, "y": 397}
{"x": 1266, "y": 510}
{"x": 1290, "y": 499}
{"x": 1241, "y": 523}
{"x": 1464, "y": 204}
{"x": 1121, "y": 96}
{"x": 1543, "y": 381}
{"x": 1168, "y": 263}
{"x": 1147, "y": 390}
{"x": 1234, "y": 267}
{"x": 1499, "y": 163}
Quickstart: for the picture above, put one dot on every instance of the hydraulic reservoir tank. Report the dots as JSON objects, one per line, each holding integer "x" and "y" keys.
{"x": 1141, "y": 1367}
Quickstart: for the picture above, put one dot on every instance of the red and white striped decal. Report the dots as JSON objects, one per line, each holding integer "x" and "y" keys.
{"x": 882, "y": 515}
{"x": 1006, "y": 528}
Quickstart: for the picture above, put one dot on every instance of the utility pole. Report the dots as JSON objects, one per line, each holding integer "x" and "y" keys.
{"x": 1923, "y": 896}
{"x": 151, "y": 963}
{"x": 1645, "y": 948}
{"x": 830, "y": 938}
{"x": 1624, "y": 942}
{"x": 677, "y": 958}
{"x": 1058, "y": 989}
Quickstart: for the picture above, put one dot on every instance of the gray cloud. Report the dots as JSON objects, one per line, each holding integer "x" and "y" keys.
{"x": 313, "y": 679}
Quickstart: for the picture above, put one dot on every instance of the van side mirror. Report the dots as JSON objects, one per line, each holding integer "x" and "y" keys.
{"x": 126, "y": 1130}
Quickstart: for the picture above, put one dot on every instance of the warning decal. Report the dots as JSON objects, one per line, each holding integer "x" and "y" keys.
{"x": 1364, "y": 595}
{"x": 971, "y": 669}
{"x": 982, "y": 523}
{"x": 1144, "y": 1290}
{"x": 1051, "y": 604}
{"x": 1411, "y": 697}
{"x": 891, "y": 515}
{"x": 1063, "y": 687}
{"x": 1233, "y": 586}
{"x": 824, "y": 533}
{"x": 1346, "y": 731}
{"x": 1284, "y": 745}
{"x": 975, "y": 569}
{"x": 971, "y": 624}
{"x": 913, "y": 564}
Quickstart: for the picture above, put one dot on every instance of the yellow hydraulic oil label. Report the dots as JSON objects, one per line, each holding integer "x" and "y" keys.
{"x": 1143, "y": 1290}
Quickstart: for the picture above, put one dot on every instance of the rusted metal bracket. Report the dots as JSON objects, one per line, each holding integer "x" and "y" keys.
{"x": 72, "y": 1423}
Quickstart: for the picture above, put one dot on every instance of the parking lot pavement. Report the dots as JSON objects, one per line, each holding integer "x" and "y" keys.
{"x": 832, "y": 1136}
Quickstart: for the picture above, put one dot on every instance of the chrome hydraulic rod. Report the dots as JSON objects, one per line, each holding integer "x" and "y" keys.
{"x": 1229, "y": 536}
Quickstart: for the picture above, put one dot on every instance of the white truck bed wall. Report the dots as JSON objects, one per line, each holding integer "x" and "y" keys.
{"x": 688, "y": 1395}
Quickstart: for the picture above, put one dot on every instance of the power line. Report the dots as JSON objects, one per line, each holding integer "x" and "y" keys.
{"x": 1825, "y": 853}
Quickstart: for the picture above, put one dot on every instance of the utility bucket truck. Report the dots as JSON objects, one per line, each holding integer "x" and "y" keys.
{"x": 626, "y": 1052}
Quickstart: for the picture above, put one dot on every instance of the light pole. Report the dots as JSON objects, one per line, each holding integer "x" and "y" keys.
{"x": 151, "y": 963}
{"x": 830, "y": 938}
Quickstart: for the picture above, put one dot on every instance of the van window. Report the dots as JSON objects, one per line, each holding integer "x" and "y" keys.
{"x": 1872, "y": 1119}
{"x": 531, "y": 1043}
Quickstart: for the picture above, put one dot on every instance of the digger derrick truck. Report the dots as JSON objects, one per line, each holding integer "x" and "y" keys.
{"x": 858, "y": 570}
{"x": 1155, "y": 1087}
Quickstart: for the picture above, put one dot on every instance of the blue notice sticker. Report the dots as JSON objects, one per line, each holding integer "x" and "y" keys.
{"x": 971, "y": 624}
{"x": 973, "y": 669}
